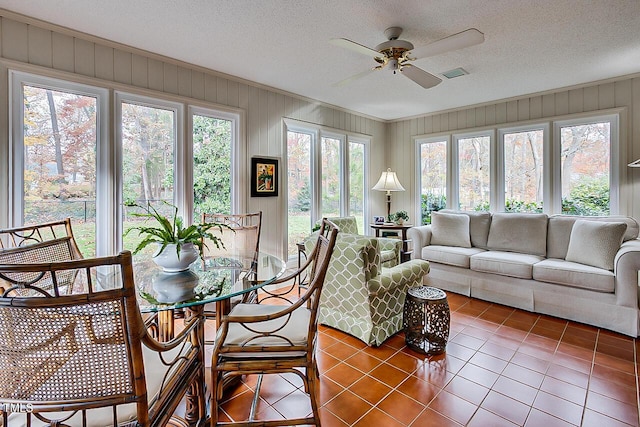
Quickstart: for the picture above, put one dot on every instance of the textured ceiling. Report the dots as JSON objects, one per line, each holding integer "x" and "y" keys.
{"x": 530, "y": 46}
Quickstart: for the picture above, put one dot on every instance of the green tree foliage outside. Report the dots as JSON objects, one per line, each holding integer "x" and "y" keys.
{"x": 211, "y": 165}
{"x": 431, "y": 203}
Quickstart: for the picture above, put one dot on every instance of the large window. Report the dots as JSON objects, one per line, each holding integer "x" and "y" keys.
{"x": 330, "y": 172}
{"x": 148, "y": 137}
{"x": 523, "y": 159}
{"x": 474, "y": 172}
{"x": 325, "y": 177}
{"x": 299, "y": 197}
{"x": 357, "y": 183}
{"x": 585, "y": 159}
{"x": 55, "y": 144}
{"x": 65, "y": 162}
{"x": 573, "y": 170}
{"x": 212, "y": 164}
{"x": 432, "y": 155}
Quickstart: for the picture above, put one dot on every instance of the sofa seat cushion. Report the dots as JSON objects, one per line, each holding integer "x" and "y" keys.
{"x": 450, "y": 255}
{"x": 574, "y": 274}
{"x": 505, "y": 263}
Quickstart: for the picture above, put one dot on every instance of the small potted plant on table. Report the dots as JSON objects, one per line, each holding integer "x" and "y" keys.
{"x": 399, "y": 217}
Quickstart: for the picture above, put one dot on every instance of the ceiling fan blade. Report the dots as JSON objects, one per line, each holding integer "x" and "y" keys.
{"x": 353, "y": 78}
{"x": 424, "y": 79}
{"x": 457, "y": 41}
{"x": 356, "y": 47}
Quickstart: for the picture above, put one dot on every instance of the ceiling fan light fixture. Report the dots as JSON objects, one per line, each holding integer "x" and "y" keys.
{"x": 394, "y": 65}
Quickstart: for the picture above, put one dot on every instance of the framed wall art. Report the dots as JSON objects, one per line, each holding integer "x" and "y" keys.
{"x": 264, "y": 177}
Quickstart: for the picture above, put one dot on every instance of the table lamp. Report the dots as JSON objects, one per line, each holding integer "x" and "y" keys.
{"x": 388, "y": 182}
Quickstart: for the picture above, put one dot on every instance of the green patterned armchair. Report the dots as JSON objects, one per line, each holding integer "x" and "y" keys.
{"x": 362, "y": 298}
{"x": 389, "y": 248}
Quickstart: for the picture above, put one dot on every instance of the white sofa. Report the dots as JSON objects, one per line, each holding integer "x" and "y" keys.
{"x": 578, "y": 268}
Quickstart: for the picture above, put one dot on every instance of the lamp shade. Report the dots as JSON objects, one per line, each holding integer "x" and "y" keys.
{"x": 388, "y": 182}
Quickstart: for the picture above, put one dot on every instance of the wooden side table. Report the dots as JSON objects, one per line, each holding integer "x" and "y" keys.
{"x": 405, "y": 253}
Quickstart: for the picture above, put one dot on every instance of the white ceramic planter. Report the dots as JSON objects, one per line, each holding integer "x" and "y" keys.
{"x": 170, "y": 262}
{"x": 171, "y": 288}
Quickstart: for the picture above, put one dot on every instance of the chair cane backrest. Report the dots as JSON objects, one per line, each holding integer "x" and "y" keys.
{"x": 74, "y": 359}
{"x": 37, "y": 233}
{"x": 239, "y": 234}
{"x": 40, "y": 243}
{"x": 73, "y": 349}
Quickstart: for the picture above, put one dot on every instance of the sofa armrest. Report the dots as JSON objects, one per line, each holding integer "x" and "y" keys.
{"x": 420, "y": 237}
{"x": 403, "y": 276}
{"x": 626, "y": 267}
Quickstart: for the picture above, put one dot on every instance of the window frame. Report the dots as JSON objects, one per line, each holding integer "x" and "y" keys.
{"x": 317, "y": 133}
{"x": 238, "y": 185}
{"x": 552, "y": 185}
{"x": 109, "y": 149}
{"x": 419, "y": 142}
{"x": 455, "y": 173}
{"x": 179, "y": 156}
{"x": 614, "y": 158}
{"x": 546, "y": 162}
{"x": 106, "y": 195}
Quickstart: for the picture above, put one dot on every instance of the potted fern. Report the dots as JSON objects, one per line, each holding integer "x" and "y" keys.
{"x": 178, "y": 246}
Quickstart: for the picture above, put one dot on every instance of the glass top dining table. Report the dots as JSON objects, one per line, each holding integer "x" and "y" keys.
{"x": 211, "y": 280}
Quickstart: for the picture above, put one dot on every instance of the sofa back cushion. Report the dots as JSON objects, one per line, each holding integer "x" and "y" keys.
{"x": 518, "y": 232}
{"x": 595, "y": 243}
{"x": 450, "y": 229}
{"x": 559, "y": 231}
{"x": 479, "y": 223}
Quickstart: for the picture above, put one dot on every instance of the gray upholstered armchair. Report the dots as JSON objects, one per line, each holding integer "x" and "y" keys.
{"x": 360, "y": 297}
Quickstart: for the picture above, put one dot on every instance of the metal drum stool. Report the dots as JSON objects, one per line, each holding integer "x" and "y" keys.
{"x": 426, "y": 320}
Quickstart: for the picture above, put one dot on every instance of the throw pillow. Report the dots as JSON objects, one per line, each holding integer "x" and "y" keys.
{"x": 450, "y": 230}
{"x": 595, "y": 243}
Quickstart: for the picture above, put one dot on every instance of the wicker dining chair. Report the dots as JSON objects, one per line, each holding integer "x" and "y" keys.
{"x": 38, "y": 233}
{"x": 274, "y": 338}
{"x": 86, "y": 359}
{"x": 240, "y": 238}
{"x": 39, "y": 243}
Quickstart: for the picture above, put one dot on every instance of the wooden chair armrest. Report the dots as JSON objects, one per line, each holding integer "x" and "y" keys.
{"x": 179, "y": 339}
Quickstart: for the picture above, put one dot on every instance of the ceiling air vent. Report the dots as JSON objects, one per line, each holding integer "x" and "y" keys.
{"x": 456, "y": 72}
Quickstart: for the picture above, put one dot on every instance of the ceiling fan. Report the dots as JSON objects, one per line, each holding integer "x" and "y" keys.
{"x": 397, "y": 54}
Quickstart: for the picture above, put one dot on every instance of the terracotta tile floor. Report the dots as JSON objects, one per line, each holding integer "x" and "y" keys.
{"x": 502, "y": 367}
